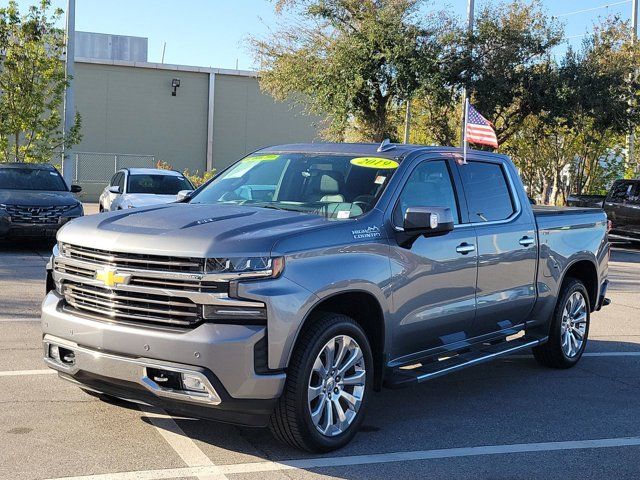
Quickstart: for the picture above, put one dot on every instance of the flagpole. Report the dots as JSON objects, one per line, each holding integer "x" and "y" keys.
{"x": 465, "y": 95}
{"x": 464, "y": 131}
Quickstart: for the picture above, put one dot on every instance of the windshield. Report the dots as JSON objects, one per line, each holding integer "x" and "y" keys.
{"x": 333, "y": 186}
{"x": 157, "y": 184}
{"x": 31, "y": 179}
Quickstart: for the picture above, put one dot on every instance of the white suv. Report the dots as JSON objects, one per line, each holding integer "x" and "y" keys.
{"x": 141, "y": 187}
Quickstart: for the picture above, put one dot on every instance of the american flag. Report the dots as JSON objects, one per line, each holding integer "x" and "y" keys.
{"x": 479, "y": 129}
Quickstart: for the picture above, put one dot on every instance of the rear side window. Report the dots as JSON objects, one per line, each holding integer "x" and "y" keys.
{"x": 488, "y": 196}
{"x": 624, "y": 192}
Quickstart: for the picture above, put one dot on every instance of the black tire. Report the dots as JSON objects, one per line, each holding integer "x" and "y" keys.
{"x": 100, "y": 209}
{"x": 551, "y": 354}
{"x": 291, "y": 420}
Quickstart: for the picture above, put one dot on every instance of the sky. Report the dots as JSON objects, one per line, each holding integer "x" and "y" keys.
{"x": 212, "y": 33}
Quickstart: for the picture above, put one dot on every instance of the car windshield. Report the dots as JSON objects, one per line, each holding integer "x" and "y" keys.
{"x": 157, "y": 184}
{"x": 31, "y": 179}
{"x": 333, "y": 186}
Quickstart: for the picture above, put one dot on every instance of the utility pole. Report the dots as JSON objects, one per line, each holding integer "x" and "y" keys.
{"x": 69, "y": 97}
{"x": 407, "y": 121}
{"x": 470, "y": 20}
{"x": 634, "y": 39}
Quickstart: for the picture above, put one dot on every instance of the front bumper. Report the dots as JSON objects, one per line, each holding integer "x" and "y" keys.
{"x": 14, "y": 229}
{"x": 115, "y": 359}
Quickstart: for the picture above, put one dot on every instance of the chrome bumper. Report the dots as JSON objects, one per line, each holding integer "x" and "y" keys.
{"x": 81, "y": 359}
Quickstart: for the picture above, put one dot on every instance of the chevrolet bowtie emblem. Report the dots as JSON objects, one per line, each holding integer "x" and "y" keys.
{"x": 111, "y": 278}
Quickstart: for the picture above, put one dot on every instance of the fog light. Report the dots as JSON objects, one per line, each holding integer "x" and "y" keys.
{"x": 193, "y": 383}
{"x": 54, "y": 352}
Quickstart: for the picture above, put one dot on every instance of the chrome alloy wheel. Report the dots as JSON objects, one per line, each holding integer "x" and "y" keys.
{"x": 574, "y": 324}
{"x": 336, "y": 385}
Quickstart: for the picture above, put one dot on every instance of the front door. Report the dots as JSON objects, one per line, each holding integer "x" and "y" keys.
{"x": 506, "y": 246}
{"x": 435, "y": 277}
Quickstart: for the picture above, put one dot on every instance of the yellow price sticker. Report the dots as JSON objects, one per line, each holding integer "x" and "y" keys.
{"x": 261, "y": 158}
{"x": 374, "y": 162}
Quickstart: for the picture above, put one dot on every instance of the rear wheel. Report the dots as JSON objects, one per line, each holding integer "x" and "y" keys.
{"x": 328, "y": 386}
{"x": 569, "y": 328}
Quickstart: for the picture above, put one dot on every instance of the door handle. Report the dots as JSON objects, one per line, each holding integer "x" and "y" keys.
{"x": 465, "y": 248}
{"x": 526, "y": 241}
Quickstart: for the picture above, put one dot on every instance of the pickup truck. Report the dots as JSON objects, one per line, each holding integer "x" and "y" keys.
{"x": 303, "y": 278}
{"x": 622, "y": 206}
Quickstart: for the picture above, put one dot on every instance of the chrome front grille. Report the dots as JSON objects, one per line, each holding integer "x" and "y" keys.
{"x": 136, "y": 289}
{"x": 138, "y": 278}
{"x": 131, "y": 306}
{"x": 134, "y": 260}
{"x": 34, "y": 214}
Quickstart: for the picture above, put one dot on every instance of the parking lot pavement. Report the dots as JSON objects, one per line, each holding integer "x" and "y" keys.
{"x": 508, "y": 419}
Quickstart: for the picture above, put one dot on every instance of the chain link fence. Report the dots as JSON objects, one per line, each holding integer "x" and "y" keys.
{"x": 93, "y": 170}
{"x": 94, "y": 167}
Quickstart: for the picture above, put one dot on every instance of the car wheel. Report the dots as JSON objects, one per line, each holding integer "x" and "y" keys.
{"x": 328, "y": 386}
{"x": 569, "y": 328}
{"x": 101, "y": 208}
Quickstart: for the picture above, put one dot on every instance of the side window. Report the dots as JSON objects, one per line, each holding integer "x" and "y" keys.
{"x": 623, "y": 192}
{"x": 114, "y": 180}
{"x": 429, "y": 185}
{"x": 488, "y": 195}
{"x": 121, "y": 182}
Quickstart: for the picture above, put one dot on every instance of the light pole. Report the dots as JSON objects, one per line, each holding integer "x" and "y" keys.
{"x": 69, "y": 98}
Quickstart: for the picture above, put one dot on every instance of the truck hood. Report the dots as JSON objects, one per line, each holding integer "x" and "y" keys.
{"x": 189, "y": 230}
{"x": 37, "y": 198}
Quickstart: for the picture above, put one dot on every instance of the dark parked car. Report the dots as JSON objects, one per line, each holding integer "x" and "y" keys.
{"x": 623, "y": 209}
{"x": 35, "y": 201}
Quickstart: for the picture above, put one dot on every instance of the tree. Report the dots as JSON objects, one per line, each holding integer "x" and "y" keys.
{"x": 509, "y": 69}
{"x": 355, "y": 61}
{"x": 506, "y": 66}
{"x": 576, "y": 144}
{"x": 32, "y": 85}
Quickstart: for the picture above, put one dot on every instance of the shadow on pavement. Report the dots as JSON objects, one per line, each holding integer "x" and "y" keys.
{"x": 511, "y": 400}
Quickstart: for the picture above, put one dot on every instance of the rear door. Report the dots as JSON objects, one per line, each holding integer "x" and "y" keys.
{"x": 506, "y": 245}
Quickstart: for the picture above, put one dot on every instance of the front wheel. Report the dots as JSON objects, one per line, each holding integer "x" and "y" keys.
{"x": 328, "y": 386}
{"x": 569, "y": 328}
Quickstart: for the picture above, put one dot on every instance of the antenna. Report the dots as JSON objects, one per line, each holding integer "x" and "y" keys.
{"x": 386, "y": 145}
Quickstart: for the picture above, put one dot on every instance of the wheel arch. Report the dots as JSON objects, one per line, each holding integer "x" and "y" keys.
{"x": 366, "y": 310}
{"x": 586, "y": 271}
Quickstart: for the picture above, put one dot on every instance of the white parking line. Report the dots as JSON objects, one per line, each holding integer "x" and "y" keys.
{"x": 19, "y": 320}
{"x": 20, "y": 373}
{"x": 324, "y": 462}
{"x": 182, "y": 444}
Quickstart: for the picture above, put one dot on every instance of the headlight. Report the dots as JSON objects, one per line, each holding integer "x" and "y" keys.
{"x": 246, "y": 267}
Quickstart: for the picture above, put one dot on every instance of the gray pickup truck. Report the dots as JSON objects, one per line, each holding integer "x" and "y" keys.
{"x": 304, "y": 277}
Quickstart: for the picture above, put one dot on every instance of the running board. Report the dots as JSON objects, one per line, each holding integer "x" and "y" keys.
{"x": 405, "y": 376}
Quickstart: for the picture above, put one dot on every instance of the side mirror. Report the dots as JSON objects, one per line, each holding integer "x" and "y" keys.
{"x": 183, "y": 195}
{"x": 114, "y": 189}
{"x": 75, "y": 189}
{"x": 428, "y": 221}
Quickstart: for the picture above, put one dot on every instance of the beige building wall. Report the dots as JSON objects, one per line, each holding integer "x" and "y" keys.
{"x": 130, "y": 110}
{"x": 245, "y": 119}
{"x": 127, "y": 108}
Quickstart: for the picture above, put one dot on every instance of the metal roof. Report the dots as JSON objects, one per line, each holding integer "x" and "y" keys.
{"x": 399, "y": 150}
{"x": 153, "y": 171}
